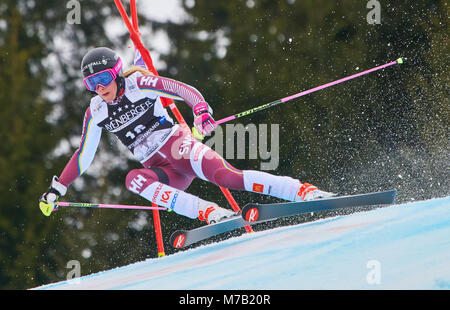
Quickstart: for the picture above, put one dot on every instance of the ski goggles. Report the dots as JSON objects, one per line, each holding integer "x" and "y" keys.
{"x": 104, "y": 77}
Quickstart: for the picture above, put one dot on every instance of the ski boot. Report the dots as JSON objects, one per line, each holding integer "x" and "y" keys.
{"x": 212, "y": 213}
{"x": 310, "y": 192}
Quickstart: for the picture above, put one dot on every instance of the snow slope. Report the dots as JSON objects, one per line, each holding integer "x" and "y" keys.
{"x": 404, "y": 246}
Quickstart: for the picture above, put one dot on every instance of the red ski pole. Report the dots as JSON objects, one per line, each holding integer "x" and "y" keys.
{"x": 133, "y": 28}
{"x": 156, "y": 218}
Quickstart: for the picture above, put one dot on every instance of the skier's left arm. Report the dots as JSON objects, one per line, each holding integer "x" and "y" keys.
{"x": 78, "y": 163}
{"x": 176, "y": 90}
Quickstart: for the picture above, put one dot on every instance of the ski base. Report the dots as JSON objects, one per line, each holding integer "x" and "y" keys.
{"x": 254, "y": 212}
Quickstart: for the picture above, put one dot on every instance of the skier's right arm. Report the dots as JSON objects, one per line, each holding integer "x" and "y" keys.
{"x": 80, "y": 161}
{"x": 168, "y": 88}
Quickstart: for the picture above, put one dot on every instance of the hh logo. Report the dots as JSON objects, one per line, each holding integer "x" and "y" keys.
{"x": 136, "y": 184}
{"x": 148, "y": 81}
{"x": 165, "y": 196}
{"x": 259, "y": 188}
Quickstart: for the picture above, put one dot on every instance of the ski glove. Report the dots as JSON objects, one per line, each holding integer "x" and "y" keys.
{"x": 49, "y": 199}
{"x": 203, "y": 120}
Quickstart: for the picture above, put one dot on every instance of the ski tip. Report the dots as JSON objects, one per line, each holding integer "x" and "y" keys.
{"x": 251, "y": 215}
{"x": 178, "y": 239}
{"x": 394, "y": 195}
{"x": 400, "y": 60}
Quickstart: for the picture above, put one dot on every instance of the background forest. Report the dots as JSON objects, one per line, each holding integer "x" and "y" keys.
{"x": 389, "y": 129}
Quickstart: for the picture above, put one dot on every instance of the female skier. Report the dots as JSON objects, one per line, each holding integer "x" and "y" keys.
{"x": 128, "y": 105}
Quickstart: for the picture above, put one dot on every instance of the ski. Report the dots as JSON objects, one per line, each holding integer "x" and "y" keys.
{"x": 256, "y": 213}
{"x": 184, "y": 238}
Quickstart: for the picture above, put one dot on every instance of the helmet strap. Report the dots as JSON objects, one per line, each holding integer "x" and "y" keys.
{"x": 120, "y": 87}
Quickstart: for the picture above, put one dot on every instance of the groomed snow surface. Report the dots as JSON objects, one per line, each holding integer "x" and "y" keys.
{"x": 404, "y": 246}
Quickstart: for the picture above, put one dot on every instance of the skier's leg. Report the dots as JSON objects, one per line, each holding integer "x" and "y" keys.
{"x": 164, "y": 187}
{"x": 217, "y": 170}
{"x": 283, "y": 187}
{"x": 221, "y": 172}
